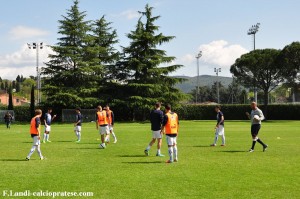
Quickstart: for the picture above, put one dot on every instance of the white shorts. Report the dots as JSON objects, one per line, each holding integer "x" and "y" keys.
{"x": 36, "y": 140}
{"x": 220, "y": 130}
{"x": 77, "y": 128}
{"x": 48, "y": 128}
{"x": 110, "y": 127}
{"x": 171, "y": 140}
{"x": 156, "y": 134}
{"x": 104, "y": 130}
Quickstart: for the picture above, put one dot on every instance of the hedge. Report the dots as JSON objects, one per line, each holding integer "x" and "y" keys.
{"x": 185, "y": 112}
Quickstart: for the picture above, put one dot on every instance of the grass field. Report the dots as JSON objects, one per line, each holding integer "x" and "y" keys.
{"x": 123, "y": 171}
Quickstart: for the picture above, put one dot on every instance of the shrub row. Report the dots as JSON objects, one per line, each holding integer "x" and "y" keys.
{"x": 185, "y": 112}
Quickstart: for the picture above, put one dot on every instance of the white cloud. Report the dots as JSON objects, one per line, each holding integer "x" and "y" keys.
{"x": 23, "y": 32}
{"x": 22, "y": 62}
{"x": 130, "y": 14}
{"x": 220, "y": 53}
{"x": 217, "y": 53}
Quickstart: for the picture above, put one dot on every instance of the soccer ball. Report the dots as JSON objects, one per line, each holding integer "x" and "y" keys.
{"x": 256, "y": 117}
{"x": 102, "y": 146}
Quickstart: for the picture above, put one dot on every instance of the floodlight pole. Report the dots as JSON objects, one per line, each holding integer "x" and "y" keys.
{"x": 217, "y": 71}
{"x": 37, "y": 46}
{"x": 197, "y": 91}
{"x": 252, "y": 31}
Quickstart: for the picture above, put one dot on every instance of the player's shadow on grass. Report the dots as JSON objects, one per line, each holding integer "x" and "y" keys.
{"x": 13, "y": 160}
{"x": 132, "y": 156}
{"x": 64, "y": 141}
{"x": 202, "y": 146}
{"x": 232, "y": 151}
{"x": 143, "y": 162}
{"x": 87, "y": 148}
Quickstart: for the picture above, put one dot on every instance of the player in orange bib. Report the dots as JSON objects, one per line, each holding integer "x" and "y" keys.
{"x": 35, "y": 134}
{"x": 170, "y": 127}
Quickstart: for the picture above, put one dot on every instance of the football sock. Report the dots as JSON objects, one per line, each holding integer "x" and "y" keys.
{"x": 38, "y": 148}
{"x": 223, "y": 139}
{"x": 216, "y": 139}
{"x": 148, "y": 147}
{"x": 261, "y": 142}
{"x": 79, "y": 135}
{"x": 158, "y": 151}
{"x": 45, "y": 135}
{"x": 31, "y": 151}
{"x": 114, "y": 135}
{"x": 48, "y": 135}
{"x": 175, "y": 152}
{"x": 253, "y": 145}
{"x": 170, "y": 150}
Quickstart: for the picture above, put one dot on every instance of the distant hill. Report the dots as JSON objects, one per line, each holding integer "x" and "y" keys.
{"x": 204, "y": 80}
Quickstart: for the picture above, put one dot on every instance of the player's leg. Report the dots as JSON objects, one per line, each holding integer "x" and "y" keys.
{"x": 102, "y": 134}
{"x": 159, "y": 142}
{"x": 48, "y": 133}
{"x": 78, "y": 133}
{"x": 107, "y": 133}
{"x": 170, "y": 148}
{"x": 111, "y": 129}
{"x": 265, "y": 146}
{"x": 222, "y": 133}
{"x": 254, "y": 132}
{"x": 175, "y": 150}
{"x": 216, "y": 137}
{"x": 34, "y": 144}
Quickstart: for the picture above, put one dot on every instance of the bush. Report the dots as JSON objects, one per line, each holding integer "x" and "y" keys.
{"x": 185, "y": 112}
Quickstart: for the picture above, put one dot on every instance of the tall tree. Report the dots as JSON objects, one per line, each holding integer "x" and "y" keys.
{"x": 144, "y": 75}
{"x": 10, "y": 99}
{"x": 259, "y": 67}
{"x": 32, "y": 101}
{"x": 102, "y": 56}
{"x": 290, "y": 58}
{"x": 69, "y": 76}
{"x": 18, "y": 87}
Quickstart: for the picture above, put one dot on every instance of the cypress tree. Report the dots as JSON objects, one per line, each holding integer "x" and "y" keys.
{"x": 10, "y": 99}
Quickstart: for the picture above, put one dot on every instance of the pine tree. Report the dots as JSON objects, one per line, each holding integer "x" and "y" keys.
{"x": 69, "y": 76}
{"x": 101, "y": 56}
{"x": 144, "y": 77}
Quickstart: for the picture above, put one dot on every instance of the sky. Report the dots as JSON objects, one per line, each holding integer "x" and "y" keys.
{"x": 218, "y": 28}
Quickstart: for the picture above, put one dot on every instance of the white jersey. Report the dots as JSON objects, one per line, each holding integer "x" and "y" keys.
{"x": 260, "y": 114}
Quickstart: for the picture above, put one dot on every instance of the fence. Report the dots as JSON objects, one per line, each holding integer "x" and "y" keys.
{"x": 3, "y": 112}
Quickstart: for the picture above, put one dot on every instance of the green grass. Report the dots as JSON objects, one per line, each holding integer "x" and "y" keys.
{"x": 122, "y": 170}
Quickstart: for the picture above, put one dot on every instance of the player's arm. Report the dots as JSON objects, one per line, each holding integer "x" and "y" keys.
{"x": 37, "y": 125}
{"x": 97, "y": 121}
{"x": 112, "y": 118}
{"x": 162, "y": 130}
{"x": 54, "y": 116}
{"x": 248, "y": 115}
{"x": 261, "y": 116}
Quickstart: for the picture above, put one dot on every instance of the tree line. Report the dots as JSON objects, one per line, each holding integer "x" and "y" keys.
{"x": 86, "y": 69}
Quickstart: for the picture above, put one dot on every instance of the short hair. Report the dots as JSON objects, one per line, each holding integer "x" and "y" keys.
{"x": 157, "y": 104}
{"x": 78, "y": 109}
{"x": 168, "y": 107}
{"x": 99, "y": 107}
{"x": 218, "y": 107}
{"x": 49, "y": 108}
{"x": 38, "y": 111}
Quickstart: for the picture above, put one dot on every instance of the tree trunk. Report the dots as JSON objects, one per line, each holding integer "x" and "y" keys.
{"x": 266, "y": 101}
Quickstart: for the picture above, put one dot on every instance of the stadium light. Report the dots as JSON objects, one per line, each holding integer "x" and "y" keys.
{"x": 198, "y": 57}
{"x": 37, "y": 46}
{"x": 252, "y": 31}
{"x": 217, "y": 71}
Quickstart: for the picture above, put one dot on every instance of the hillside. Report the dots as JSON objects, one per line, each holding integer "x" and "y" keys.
{"x": 204, "y": 80}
